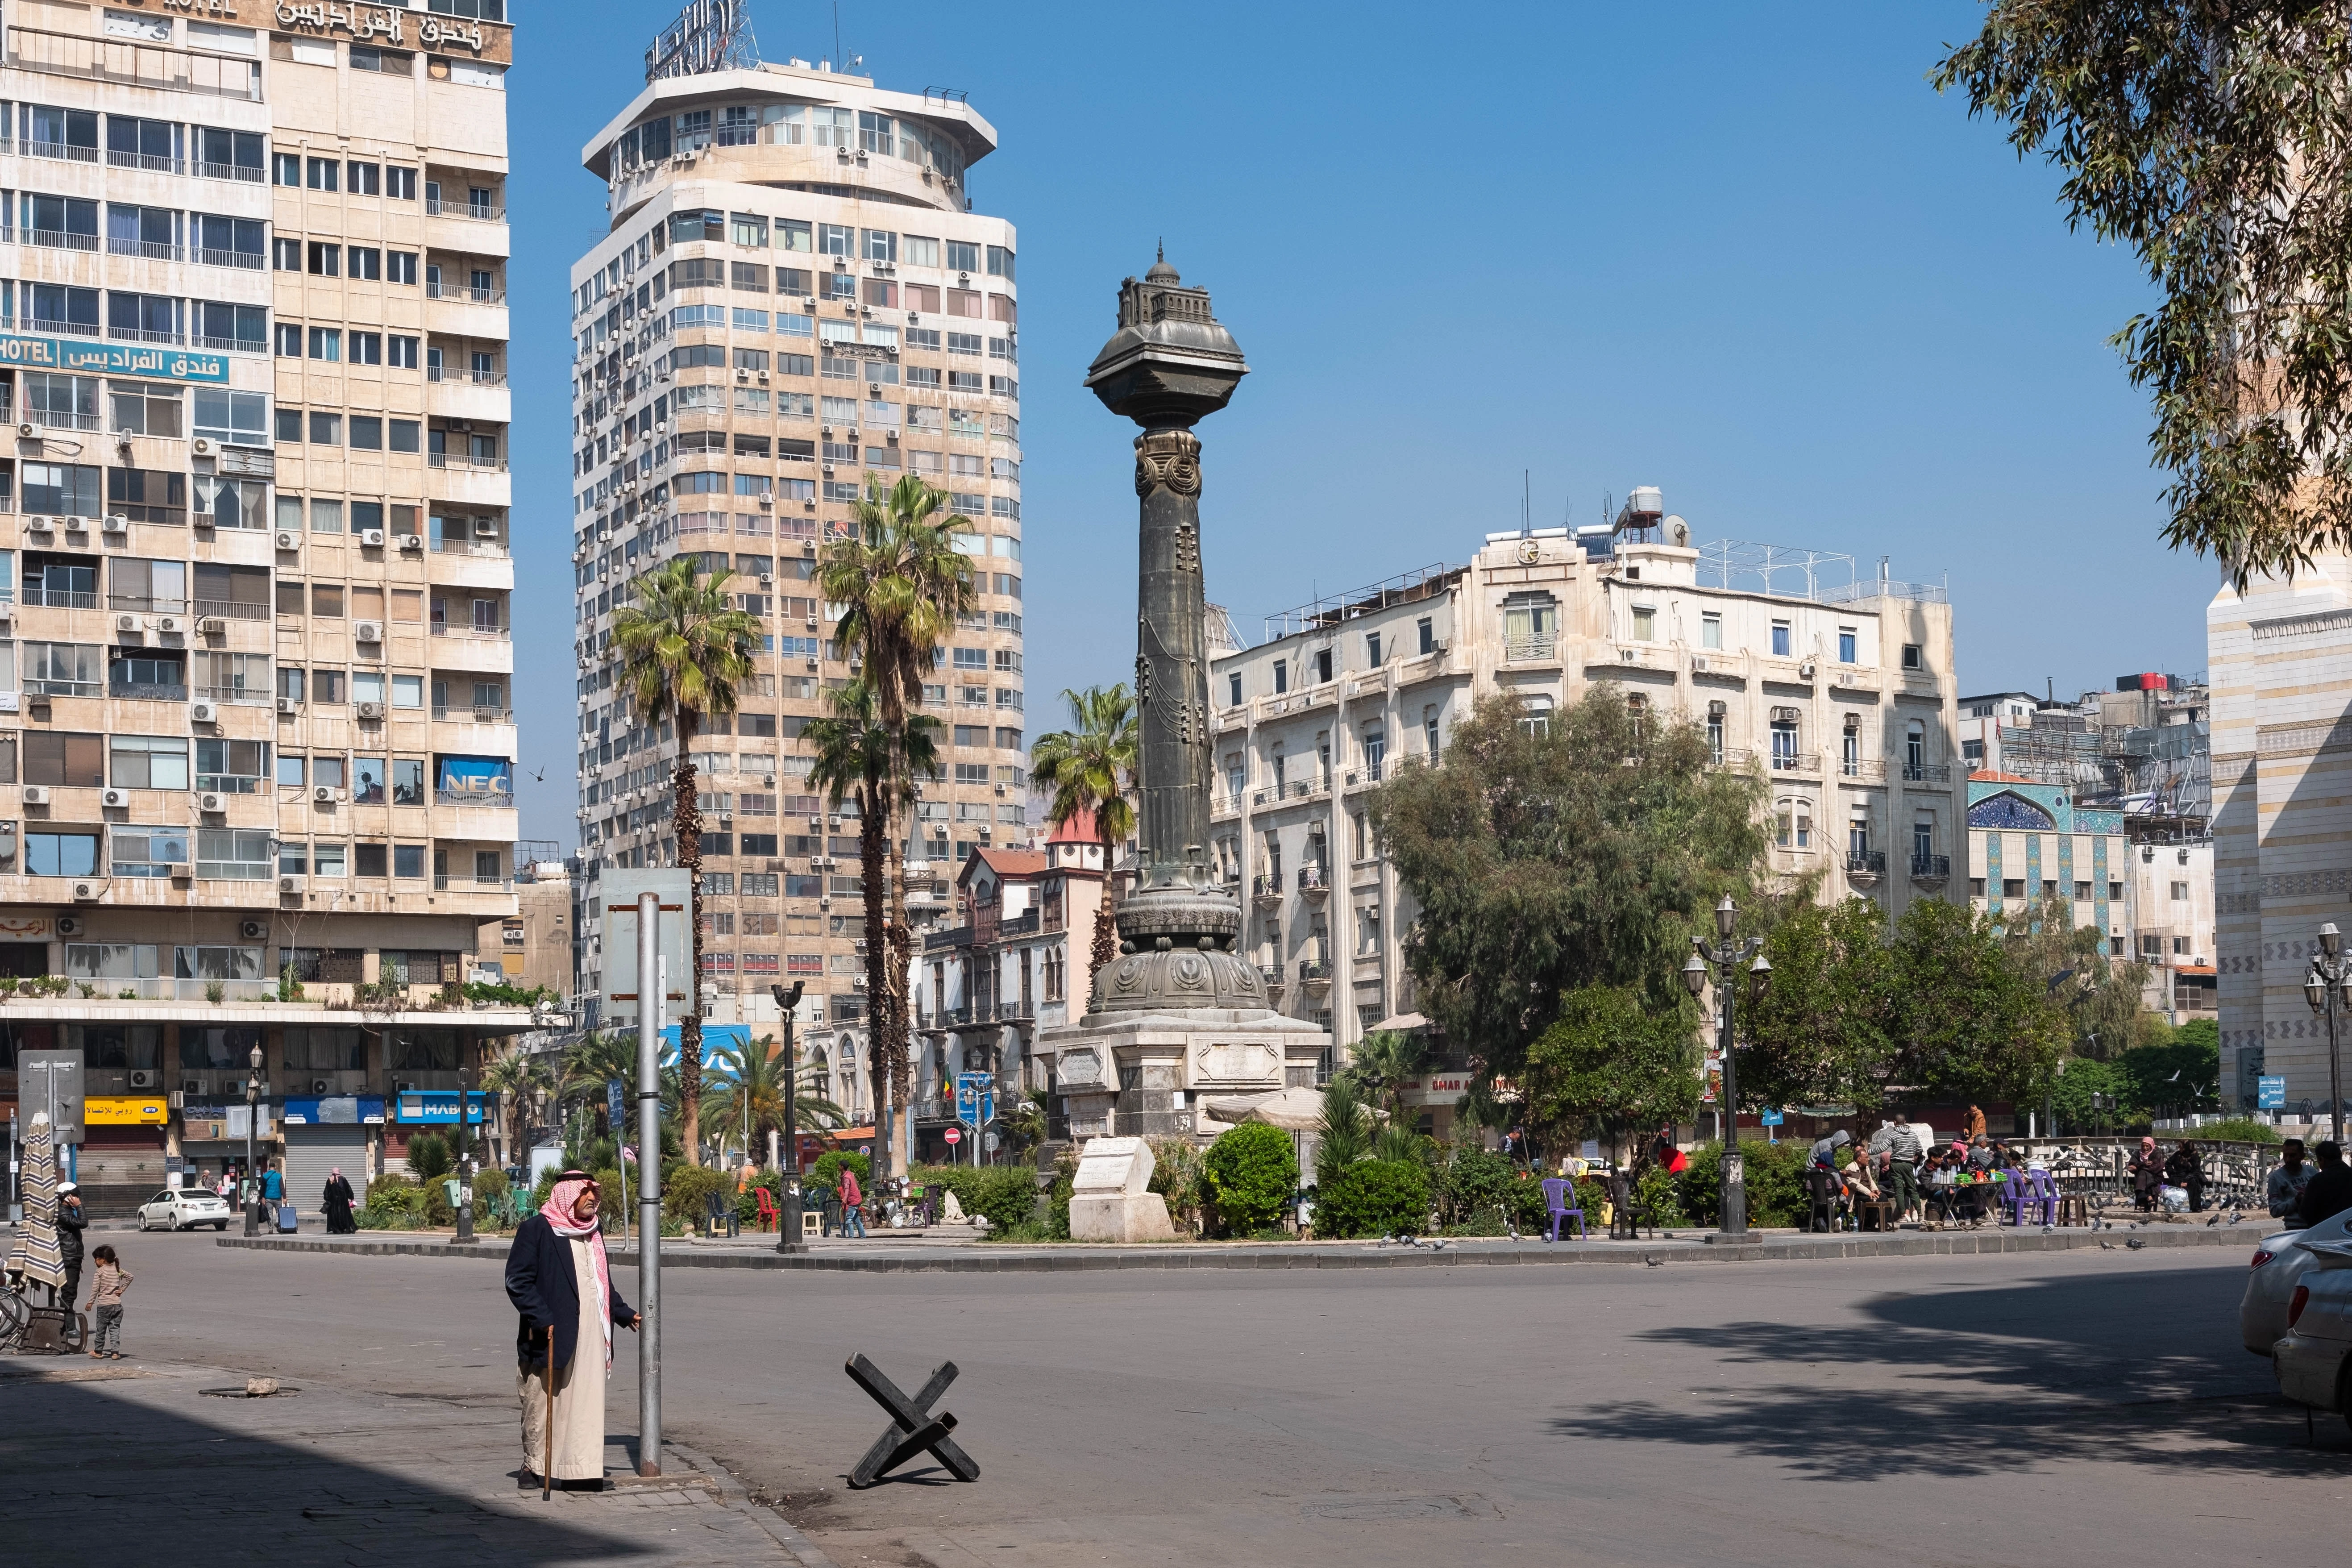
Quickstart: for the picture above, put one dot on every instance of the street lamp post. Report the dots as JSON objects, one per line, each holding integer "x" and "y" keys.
{"x": 464, "y": 1205}
{"x": 1721, "y": 966}
{"x": 788, "y": 1224}
{"x": 252, "y": 1114}
{"x": 2327, "y": 987}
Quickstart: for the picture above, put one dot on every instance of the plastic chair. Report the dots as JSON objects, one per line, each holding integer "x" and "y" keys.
{"x": 1555, "y": 1191}
{"x": 2042, "y": 1195}
{"x": 1628, "y": 1214}
{"x": 769, "y": 1215}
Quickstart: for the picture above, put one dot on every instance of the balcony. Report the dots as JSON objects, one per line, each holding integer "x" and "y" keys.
{"x": 242, "y": 260}
{"x": 1272, "y": 974}
{"x": 484, "y": 463}
{"x": 1315, "y": 975}
{"x": 147, "y": 693}
{"x": 63, "y": 151}
{"x": 251, "y": 174}
{"x": 1265, "y": 888}
{"x": 445, "y": 883}
{"x": 153, "y": 249}
{"x": 476, "y": 212}
{"x": 1868, "y": 770}
{"x": 477, "y": 714}
{"x": 464, "y": 293}
{"x": 1931, "y": 871}
{"x": 1863, "y": 867}
{"x": 1531, "y": 650}
{"x": 133, "y": 64}
{"x": 475, "y": 377}
{"x": 1797, "y": 763}
{"x": 1313, "y": 882}
{"x": 473, "y": 631}
{"x": 61, "y": 239}
{"x": 1927, "y": 773}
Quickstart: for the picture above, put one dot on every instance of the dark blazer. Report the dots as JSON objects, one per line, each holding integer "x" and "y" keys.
{"x": 544, "y": 1290}
{"x": 70, "y": 1221}
{"x": 2328, "y": 1193}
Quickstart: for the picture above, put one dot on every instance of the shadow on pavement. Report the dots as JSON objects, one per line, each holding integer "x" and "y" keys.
{"x": 94, "y": 1469}
{"x": 1995, "y": 1381}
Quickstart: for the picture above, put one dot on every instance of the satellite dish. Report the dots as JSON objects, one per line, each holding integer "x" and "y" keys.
{"x": 1678, "y": 533}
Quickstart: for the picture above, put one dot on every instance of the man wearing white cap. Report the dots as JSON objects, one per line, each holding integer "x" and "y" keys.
{"x": 70, "y": 1221}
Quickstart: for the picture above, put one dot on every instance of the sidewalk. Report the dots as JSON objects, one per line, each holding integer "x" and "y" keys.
{"x": 890, "y": 1253}
{"x": 104, "y": 1459}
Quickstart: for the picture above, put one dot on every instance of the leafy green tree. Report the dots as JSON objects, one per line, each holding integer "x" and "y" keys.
{"x": 1965, "y": 1017}
{"x": 749, "y": 1080}
{"x": 1251, "y": 1173}
{"x": 901, "y": 583}
{"x": 2183, "y": 1074}
{"x": 1090, "y": 770}
{"x": 1546, "y": 856}
{"x": 684, "y": 648}
{"x": 2102, "y": 996}
{"x": 2210, "y": 139}
{"x": 1820, "y": 1035}
{"x": 1611, "y": 1062}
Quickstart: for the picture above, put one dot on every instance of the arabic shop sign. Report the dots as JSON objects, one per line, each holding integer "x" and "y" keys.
{"x": 398, "y": 28}
{"x": 111, "y": 359}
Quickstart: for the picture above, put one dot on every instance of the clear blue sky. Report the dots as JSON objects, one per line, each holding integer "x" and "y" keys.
{"x": 1739, "y": 252}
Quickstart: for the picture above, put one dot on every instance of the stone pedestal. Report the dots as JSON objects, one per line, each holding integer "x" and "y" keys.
{"x": 1109, "y": 1200}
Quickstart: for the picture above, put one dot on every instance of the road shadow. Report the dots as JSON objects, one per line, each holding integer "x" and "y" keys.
{"x": 94, "y": 1469}
{"x": 2146, "y": 1372}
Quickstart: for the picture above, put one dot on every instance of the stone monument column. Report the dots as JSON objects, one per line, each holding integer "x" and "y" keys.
{"x": 1178, "y": 1013}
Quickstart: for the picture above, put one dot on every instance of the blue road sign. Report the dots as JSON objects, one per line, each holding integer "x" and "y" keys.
{"x": 975, "y": 1098}
{"x": 1771, "y": 1119}
{"x": 616, "y": 1106}
{"x": 2270, "y": 1093}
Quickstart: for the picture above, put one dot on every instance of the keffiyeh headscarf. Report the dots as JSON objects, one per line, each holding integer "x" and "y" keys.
{"x": 557, "y": 1211}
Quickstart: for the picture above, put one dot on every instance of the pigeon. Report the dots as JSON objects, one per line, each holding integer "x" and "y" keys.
{"x": 2106, "y": 1247}
{"x": 2235, "y": 1217}
{"x": 1437, "y": 1246}
{"x": 2214, "y": 1221}
{"x": 2049, "y": 1230}
{"x": 1655, "y": 1262}
{"x": 2135, "y": 1244}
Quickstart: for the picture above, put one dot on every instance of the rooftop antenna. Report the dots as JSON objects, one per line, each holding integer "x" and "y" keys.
{"x": 1527, "y": 520}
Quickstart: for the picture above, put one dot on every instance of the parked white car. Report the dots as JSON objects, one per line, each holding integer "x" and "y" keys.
{"x": 183, "y": 1208}
{"x": 2310, "y": 1358}
{"x": 2281, "y": 1260}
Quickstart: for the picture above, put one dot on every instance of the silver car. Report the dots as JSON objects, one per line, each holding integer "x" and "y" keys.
{"x": 183, "y": 1208}
{"x": 2280, "y": 1261}
{"x": 2311, "y": 1357}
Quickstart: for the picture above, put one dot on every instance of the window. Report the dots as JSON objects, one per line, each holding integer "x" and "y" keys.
{"x": 239, "y": 855}
{"x": 59, "y": 759}
{"x": 1530, "y": 625}
{"x": 1793, "y": 825}
{"x": 400, "y": 266}
{"x": 1426, "y": 634}
{"x": 2082, "y": 890}
{"x": 1922, "y": 843}
{"x": 239, "y": 419}
{"x": 962, "y": 257}
{"x": 1645, "y": 622}
{"x": 143, "y": 762}
{"x": 144, "y": 409}
{"x": 1783, "y": 640}
{"x": 2179, "y": 894}
{"x": 1914, "y": 750}
{"x": 1373, "y": 649}
{"x": 999, "y": 262}
{"x": 1847, "y": 644}
{"x": 237, "y": 767}
{"x": 361, "y": 179}
{"x": 148, "y": 852}
{"x": 1714, "y": 717}
{"x": 1322, "y": 666}
{"x": 1784, "y": 743}
{"x": 399, "y": 184}
{"x": 284, "y": 168}
{"x": 1913, "y": 657}
{"x": 324, "y": 173}
{"x": 327, "y": 344}
{"x": 1710, "y": 629}
{"x": 2013, "y": 887}
{"x": 60, "y": 854}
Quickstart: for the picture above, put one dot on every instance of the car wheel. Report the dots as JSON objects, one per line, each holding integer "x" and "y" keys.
{"x": 220, "y": 1224}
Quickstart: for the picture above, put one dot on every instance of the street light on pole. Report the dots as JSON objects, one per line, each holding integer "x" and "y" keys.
{"x": 788, "y": 1224}
{"x": 1722, "y": 966}
{"x": 2327, "y": 987}
{"x": 252, "y": 1114}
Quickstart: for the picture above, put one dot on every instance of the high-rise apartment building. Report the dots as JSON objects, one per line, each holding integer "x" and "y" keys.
{"x": 795, "y": 296}
{"x": 255, "y": 731}
{"x": 1838, "y": 694}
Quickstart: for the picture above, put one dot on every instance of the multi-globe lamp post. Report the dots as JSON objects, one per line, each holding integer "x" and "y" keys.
{"x": 788, "y": 1223}
{"x": 1723, "y": 965}
{"x": 2327, "y": 987}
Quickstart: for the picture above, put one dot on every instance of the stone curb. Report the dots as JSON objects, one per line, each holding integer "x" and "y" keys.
{"x": 1937, "y": 1244}
{"x": 735, "y": 1495}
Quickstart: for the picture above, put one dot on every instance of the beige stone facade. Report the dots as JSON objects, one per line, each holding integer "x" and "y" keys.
{"x": 2280, "y": 658}
{"x": 255, "y": 711}
{"x": 1842, "y": 698}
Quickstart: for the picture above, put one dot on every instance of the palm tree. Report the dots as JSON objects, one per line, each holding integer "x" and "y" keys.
{"x": 516, "y": 1078}
{"x": 857, "y": 758}
{"x": 751, "y": 1092}
{"x": 1090, "y": 767}
{"x": 683, "y": 649}
{"x": 1385, "y": 1061}
{"x": 902, "y": 584}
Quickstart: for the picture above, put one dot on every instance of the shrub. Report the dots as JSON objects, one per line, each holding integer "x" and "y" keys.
{"x": 1178, "y": 1176}
{"x": 747, "y": 1202}
{"x": 489, "y": 1187}
{"x": 429, "y": 1156}
{"x": 1006, "y": 1196}
{"x": 1374, "y": 1197}
{"x": 2236, "y": 1129}
{"x": 1476, "y": 1183}
{"x": 826, "y": 1171}
{"x": 1775, "y": 1182}
{"x": 393, "y": 1203}
{"x": 686, "y": 1191}
{"x": 1252, "y": 1173}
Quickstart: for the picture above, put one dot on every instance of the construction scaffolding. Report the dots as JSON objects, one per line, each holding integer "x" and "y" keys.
{"x": 1427, "y": 582}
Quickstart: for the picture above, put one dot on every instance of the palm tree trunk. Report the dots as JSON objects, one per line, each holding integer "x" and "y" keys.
{"x": 900, "y": 961}
{"x": 873, "y": 830}
{"x": 1106, "y": 946}
{"x": 688, "y": 819}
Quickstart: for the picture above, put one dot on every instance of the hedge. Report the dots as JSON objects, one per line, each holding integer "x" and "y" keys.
{"x": 1251, "y": 1173}
{"x": 1374, "y": 1197}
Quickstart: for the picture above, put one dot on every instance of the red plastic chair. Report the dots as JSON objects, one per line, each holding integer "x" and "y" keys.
{"x": 770, "y": 1215}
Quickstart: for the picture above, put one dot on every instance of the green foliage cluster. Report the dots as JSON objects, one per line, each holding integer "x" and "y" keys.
{"x": 504, "y": 995}
{"x": 1179, "y": 1175}
{"x": 1775, "y": 1183}
{"x": 1482, "y": 1193}
{"x": 1251, "y": 1173}
{"x": 826, "y": 1175}
{"x": 1546, "y": 858}
{"x": 430, "y": 1156}
{"x": 686, "y": 1191}
{"x": 2178, "y": 1070}
{"x": 1611, "y": 1064}
{"x": 1005, "y": 1194}
{"x": 1374, "y": 1197}
{"x": 393, "y": 1203}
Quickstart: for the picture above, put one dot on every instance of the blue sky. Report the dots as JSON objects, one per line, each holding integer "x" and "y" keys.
{"x": 1742, "y": 253}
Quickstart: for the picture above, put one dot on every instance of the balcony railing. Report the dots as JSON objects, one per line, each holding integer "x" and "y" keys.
{"x": 234, "y": 609}
{"x": 250, "y": 173}
{"x": 477, "y": 714}
{"x": 1926, "y": 773}
{"x": 1263, "y": 886}
{"x": 481, "y": 212}
{"x": 504, "y": 802}
{"x": 1796, "y": 762}
{"x": 1931, "y": 864}
{"x": 459, "y": 544}
{"x": 1271, "y": 974}
{"x": 247, "y": 695}
{"x": 465, "y": 293}
{"x": 1311, "y": 880}
{"x": 143, "y": 335}
{"x": 153, "y": 249}
{"x": 1311, "y": 972}
{"x": 1866, "y": 862}
{"x": 65, "y": 152}
{"x": 465, "y": 629}
{"x": 58, "y": 239}
{"x": 57, "y": 420}
{"x": 59, "y": 599}
{"x": 477, "y": 377}
{"x": 1519, "y": 649}
{"x": 465, "y": 460}
{"x": 153, "y": 163}
{"x": 62, "y": 688}
{"x": 233, "y": 345}
{"x": 136, "y": 65}
{"x": 1868, "y": 768}
{"x": 445, "y": 883}
{"x": 251, "y": 260}
{"x": 148, "y": 692}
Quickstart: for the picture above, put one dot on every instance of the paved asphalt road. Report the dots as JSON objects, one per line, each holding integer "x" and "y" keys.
{"x": 2022, "y": 1409}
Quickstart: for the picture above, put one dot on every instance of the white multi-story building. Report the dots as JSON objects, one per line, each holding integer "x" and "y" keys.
{"x": 255, "y": 722}
{"x": 1841, "y": 697}
{"x": 796, "y": 295}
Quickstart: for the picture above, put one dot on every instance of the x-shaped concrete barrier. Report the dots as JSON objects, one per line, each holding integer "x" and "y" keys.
{"x": 913, "y": 1428}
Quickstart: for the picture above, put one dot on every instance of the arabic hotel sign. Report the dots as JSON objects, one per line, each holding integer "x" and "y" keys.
{"x": 111, "y": 359}
{"x": 383, "y": 26}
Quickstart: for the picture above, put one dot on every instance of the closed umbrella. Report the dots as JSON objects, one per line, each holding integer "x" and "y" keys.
{"x": 34, "y": 1255}
{"x": 1293, "y": 1110}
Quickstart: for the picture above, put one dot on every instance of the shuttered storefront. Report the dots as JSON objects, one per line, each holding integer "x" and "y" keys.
{"x": 312, "y": 1152}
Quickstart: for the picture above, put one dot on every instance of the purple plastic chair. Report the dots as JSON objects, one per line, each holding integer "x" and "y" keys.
{"x": 2041, "y": 1194}
{"x": 1555, "y": 1191}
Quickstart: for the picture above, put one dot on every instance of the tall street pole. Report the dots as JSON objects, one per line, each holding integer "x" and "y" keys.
{"x": 252, "y": 1114}
{"x": 651, "y": 985}
{"x": 464, "y": 1205}
{"x": 2327, "y": 987}
{"x": 1722, "y": 965}
{"x": 788, "y": 1224}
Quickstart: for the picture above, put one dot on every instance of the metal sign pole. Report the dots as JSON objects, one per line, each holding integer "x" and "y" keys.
{"x": 653, "y": 987}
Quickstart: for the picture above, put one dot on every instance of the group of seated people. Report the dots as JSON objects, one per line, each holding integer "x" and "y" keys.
{"x": 1958, "y": 1181}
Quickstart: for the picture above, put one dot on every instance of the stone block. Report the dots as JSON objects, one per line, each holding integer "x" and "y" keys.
{"x": 1120, "y": 1166}
{"x": 1119, "y": 1216}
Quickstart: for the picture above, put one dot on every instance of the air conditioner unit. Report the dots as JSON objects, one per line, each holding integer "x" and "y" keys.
{"x": 767, "y": 503}
{"x": 767, "y": 579}
{"x": 288, "y": 705}
{"x": 318, "y": 1086}
{"x": 115, "y": 522}
{"x": 171, "y": 624}
{"x": 368, "y": 709}
{"x": 253, "y": 931}
{"x": 205, "y": 447}
{"x": 486, "y": 528}
{"x": 203, "y": 713}
{"x": 412, "y": 542}
{"x": 742, "y": 373}
{"x": 212, "y": 627}
{"x": 177, "y": 869}
{"x": 212, "y": 803}
{"x": 129, "y": 623}
{"x": 1806, "y": 669}
{"x": 70, "y": 925}
{"x": 289, "y": 885}
{"x": 325, "y": 794}
{"x": 115, "y": 798}
{"x": 40, "y": 524}
{"x": 289, "y": 539}
{"x": 367, "y": 631}
{"x": 87, "y": 892}
{"x": 192, "y": 1087}
{"x": 143, "y": 1077}
{"x": 372, "y": 538}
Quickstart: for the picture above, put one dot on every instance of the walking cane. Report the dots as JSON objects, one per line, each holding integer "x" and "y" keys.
{"x": 547, "y": 1448}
